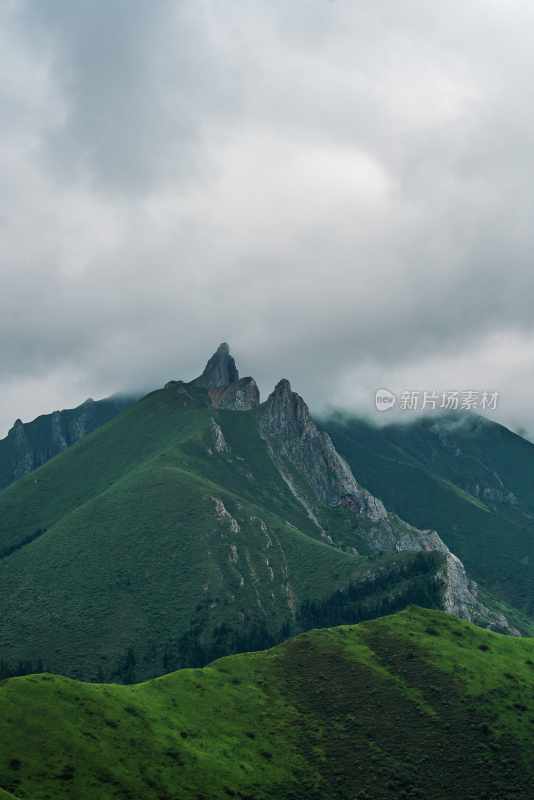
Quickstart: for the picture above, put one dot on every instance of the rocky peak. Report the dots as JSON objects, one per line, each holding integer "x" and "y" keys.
{"x": 220, "y": 370}
{"x": 306, "y": 456}
{"x": 318, "y": 476}
{"x": 240, "y": 396}
{"x": 285, "y": 412}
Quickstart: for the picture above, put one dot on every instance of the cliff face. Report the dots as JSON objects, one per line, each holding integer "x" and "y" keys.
{"x": 319, "y": 477}
{"x": 220, "y": 370}
{"x": 240, "y": 396}
{"x": 298, "y": 446}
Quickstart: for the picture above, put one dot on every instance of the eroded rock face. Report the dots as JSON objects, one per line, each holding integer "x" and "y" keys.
{"x": 297, "y": 446}
{"x": 318, "y": 476}
{"x": 461, "y": 598}
{"x": 219, "y": 443}
{"x": 241, "y": 396}
{"x": 219, "y": 371}
{"x": 22, "y": 454}
{"x": 225, "y": 388}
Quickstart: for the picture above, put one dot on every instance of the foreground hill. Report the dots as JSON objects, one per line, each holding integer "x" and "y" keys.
{"x": 469, "y": 478}
{"x": 415, "y": 705}
{"x": 197, "y": 523}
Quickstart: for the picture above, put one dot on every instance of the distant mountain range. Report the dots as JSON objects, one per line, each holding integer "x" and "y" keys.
{"x": 198, "y": 522}
{"x": 30, "y": 445}
{"x": 417, "y": 705}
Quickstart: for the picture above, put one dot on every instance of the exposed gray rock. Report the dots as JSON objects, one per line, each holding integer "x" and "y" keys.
{"x": 22, "y": 454}
{"x": 219, "y": 443}
{"x": 241, "y": 396}
{"x": 317, "y": 475}
{"x": 494, "y": 495}
{"x": 460, "y": 598}
{"x": 59, "y": 440}
{"x": 300, "y": 450}
{"x": 224, "y": 516}
{"x": 219, "y": 371}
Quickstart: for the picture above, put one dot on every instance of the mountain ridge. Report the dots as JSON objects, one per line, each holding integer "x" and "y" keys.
{"x": 185, "y": 528}
{"x": 418, "y": 704}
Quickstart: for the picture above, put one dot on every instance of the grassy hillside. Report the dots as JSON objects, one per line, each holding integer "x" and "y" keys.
{"x": 143, "y": 548}
{"x": 470, "y": 479}
{"x": 415, "y": 705}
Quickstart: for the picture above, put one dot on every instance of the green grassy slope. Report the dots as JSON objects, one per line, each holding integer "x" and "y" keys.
{"x": 141, "y": 549}
{"x": 470, "y": 479}
{"x": 415, "y": 705}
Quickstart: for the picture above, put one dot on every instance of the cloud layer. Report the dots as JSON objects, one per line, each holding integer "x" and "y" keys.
{"x": 341, "y": 190}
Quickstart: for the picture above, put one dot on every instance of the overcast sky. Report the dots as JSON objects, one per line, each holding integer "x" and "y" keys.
{"x": 342, "y": 189}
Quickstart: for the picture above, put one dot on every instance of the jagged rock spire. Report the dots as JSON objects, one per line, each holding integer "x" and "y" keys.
{"x": 285, "y": 411}
{"x": 220, "y": 370}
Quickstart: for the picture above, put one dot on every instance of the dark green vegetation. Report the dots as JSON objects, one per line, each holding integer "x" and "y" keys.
{"x": 149, "y": 545}
{"x": 469, "y": 478}
{"x": 414, "y": 705}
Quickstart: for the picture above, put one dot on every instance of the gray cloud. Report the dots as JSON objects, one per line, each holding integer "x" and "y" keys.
{"x": 341, "y": 190}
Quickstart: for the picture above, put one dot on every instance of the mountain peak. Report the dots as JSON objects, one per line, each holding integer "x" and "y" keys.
{"x": 220, "y": 370}
{"x": 285, "y": 410}
{"x": 282, "y": 387}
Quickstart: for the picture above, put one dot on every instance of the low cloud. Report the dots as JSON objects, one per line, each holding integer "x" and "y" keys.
{"x": 342, "y": 191}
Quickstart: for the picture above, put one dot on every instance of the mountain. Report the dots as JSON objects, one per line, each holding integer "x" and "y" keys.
{"x": 463, "y": 475}
{"x": 29, "y": 446}
{"x": 200, "y": 522}
{"x": 414, "y": 705}
{"x": 468, "y": 477}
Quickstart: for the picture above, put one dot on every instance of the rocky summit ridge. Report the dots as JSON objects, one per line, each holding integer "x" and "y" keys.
{"x": 319, "y": 477}
{"x": 338, "y": 510}
{"x": 220, "y": 370}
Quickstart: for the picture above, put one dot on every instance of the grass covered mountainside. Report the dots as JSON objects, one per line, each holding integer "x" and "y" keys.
{"x": 467, "y": 477}
{"x": 414, "y": 705}
{"x": 167, "y": 538}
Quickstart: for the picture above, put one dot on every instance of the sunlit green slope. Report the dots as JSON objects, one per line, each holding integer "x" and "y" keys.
{"x": 414, "y": 705}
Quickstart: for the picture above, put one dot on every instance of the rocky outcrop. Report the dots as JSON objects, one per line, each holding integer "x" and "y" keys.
{"x": 23, "y": 458}
{"x": 302, "y": 452}
{"x": 318, "y": 476}
{"x": 241, "y": 396}
{"x": 219, "y": 371}
{"x": 461, "y": 598}
{"x": 225, "y": 389}
{"x": 219, "y": 444}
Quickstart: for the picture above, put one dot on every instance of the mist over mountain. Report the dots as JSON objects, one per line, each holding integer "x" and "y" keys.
{"x": 344, "y": 194}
